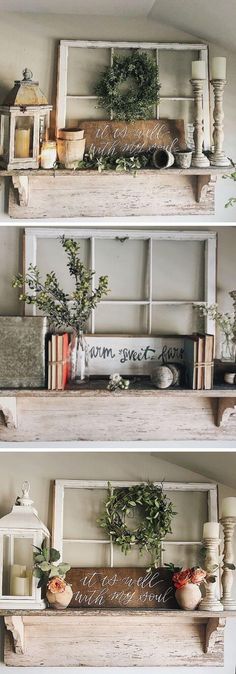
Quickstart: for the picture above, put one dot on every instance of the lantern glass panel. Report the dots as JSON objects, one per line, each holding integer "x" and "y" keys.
{"x": 4, "y": 134}
{"x": 17, "y": 566}
{"x": 23, "y": 146}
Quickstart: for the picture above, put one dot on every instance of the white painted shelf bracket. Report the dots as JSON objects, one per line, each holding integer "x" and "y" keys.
{"x": 8, "y": 410}
{"x": 205, "y": 187}
{"x": 15, "y": 625}
{"x": 226, "y": 408}
{"x": 21, "y": 184}
{"x": 214, "y": 628}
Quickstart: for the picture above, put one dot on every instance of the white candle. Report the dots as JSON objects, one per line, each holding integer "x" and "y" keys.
{"x": 16, "y": 570}
{"x": 22, "y": 143}
{"x": 48, "y": 154}
{"x": 20, "y": 587}
{"x": 218, "y": 68}
{"x": 229, "y": 506}
{"x": 211, "y": 530}
{"x": 198, "y": 70}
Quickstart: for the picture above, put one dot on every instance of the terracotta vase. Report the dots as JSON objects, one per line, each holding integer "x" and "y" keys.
{"x": 60, "y": 600}
{"x": 188, "y": 597}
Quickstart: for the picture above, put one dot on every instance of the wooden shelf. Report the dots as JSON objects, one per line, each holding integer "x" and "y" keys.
{"x": 114, "y": 637}
{"x": 92, "y": 413}
{"x": 53, "y": 194}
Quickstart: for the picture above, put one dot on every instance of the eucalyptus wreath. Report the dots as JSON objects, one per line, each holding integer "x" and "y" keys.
{"x": 136, "y": 103}
{"x": 155, "y": 510}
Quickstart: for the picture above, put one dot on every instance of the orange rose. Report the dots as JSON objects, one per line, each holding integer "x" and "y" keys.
{"x": 181, "y": 578}
{"x": 198, "y": 576}
{"x": 56, "y": 585}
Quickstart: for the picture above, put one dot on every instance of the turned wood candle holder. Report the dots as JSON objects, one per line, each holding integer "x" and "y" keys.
{"x": 228, "y": 524}
{"x": 199, "y": 159}
{"x": 210, "y": 601}
{"x": 218, "y": 157}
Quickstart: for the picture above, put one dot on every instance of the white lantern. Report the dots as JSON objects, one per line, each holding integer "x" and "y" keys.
{"x": 24, "y": 123}
{"x": 20, "y": 530}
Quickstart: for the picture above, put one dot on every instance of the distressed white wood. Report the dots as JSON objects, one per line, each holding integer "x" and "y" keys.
{"x": 204, "y": 56}
{"x": 8, "y": 409}
{"x": 29, "y": 257}
{"x": 118, "y": 638}
{"x": 226, "y": 408}
{"x": 110, "y": 233}
{"x": 210, "y": 281}
{"x": 16, "y": 626}
{"x": 21, "y": 183}
{"x": 118, "y": 417}
{"x": 61, "y": 85}
{"x": 58, "y": 509}
{"x": 111, "y": 194}
{"x": 105, "y": 44}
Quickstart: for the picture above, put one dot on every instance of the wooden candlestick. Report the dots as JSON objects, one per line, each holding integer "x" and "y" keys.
{"x": 218, "y": 157}
{"x": 210, "y": 601}
{"x": 228, "y": 524}
{"x": 199, "y": 159}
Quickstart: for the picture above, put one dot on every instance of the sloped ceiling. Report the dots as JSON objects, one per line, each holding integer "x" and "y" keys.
{"x": 209, "y": 20}
{"x": 216, "y": 466}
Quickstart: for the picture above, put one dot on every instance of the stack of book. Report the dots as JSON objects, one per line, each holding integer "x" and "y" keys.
{"x": 199, "y": 361}
{"x": 58, "y": 362}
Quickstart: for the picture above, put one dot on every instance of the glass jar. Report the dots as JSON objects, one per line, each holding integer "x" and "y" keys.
{"x": 228, "y": 347}
{"x": 48, "y": 154}
{"x": 78, "y": 359}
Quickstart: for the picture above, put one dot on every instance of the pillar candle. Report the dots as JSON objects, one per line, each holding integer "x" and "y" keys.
{"x": 16, "y": 570}
{"x": 22, "y": 143}
{"x": 218, "y": 68}
{"x": 198, "y": 70}
{"x": 20, "y": 587}
{"x": 211, "y": 530}
{"x": 229, "y": 506}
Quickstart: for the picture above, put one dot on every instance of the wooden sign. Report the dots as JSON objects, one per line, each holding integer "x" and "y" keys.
{"x": 130, "y": 355}
{"x": 122, "y": 587}
{"x": 110, "y": 138}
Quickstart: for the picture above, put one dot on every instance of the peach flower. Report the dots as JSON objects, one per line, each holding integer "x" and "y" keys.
{"x": 56, "y": 585}
{"x": 198, "y": 575}
{"x": 181, "y": 578}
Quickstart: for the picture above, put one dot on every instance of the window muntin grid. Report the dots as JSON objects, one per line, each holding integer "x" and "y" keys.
{"x": 65, "y": 95}
{"x": 148, "y": 302}
{"x": 171, "y": 549}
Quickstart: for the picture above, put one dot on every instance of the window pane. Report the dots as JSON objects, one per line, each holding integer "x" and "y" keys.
{"x": 82, "y": 508}
{"x": 133, "y": 557}
{"x": 178, "y": 110}
{"x": 79, "y": 109}
{"x": 178, "y": 270}
{"x": 191, "y": 509}
{"x": 183, "y": 555}
{"x": 121, "y": 319}
{"x": 84, "y": 69}
{"x": 51, "y": 256}
{"x": 125, "y": 262}
{"x": 176, "y": 320}
{"x": 86, "y": 554}
{"x": 175, "y": 69}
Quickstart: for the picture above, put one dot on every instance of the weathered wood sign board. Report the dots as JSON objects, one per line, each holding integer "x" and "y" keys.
{"x": 122, "y": 587}
{"x": 131, "y": 354}
{"x": 130, "y": 138}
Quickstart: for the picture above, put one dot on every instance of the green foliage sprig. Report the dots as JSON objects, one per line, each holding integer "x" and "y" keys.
{"x": 155, "y": 509}
{"x": 44, "y": 564}
{"x": 62, "y": 309}
{"x": 232, "y": 176}
{"x": 113, "y": 163}
{"x": 138, "y": 100}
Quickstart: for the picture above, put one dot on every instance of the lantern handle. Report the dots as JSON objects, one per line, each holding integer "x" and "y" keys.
{"x": 25, "y": 500}
{"x": 27, "y": 75}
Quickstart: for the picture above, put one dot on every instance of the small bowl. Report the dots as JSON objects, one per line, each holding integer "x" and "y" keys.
{"x": 183, "y": 158}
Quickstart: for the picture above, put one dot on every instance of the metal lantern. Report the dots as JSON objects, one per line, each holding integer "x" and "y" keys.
{"x": 24, "y": 120}
{"x": 20, "y": 530}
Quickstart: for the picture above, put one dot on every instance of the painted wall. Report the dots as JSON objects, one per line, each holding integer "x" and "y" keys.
{"x": 31, "y": 39}
{"x": 42, "y": 468}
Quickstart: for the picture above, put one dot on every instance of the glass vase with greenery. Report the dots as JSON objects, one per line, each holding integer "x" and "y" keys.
{"x": 66, "y": 311}
{"x": 226, "y": 322}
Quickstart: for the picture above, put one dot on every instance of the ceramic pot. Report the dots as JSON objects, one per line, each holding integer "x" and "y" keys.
{"x": 162, "y": 159}
{"x": 188, "y": 597}
{"x": 60, "y": 600}
{"x": 183, "y": 158}
{"x": 70, "y": 147}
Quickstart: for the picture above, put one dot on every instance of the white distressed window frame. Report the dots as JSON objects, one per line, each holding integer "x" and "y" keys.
{"x": 58, "y": 509}
{"x": 32, "y": 234}
{"x": 62, "y": 90}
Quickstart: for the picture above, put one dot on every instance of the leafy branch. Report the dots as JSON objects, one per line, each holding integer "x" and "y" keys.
{"x": 62, "y": 309}
{"x": 45, "y": 567}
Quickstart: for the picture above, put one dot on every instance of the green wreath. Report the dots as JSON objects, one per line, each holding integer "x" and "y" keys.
{"x": 155, "y": 509}
{"x": 136, "y": 103}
